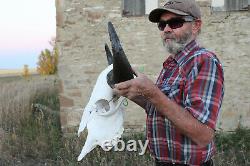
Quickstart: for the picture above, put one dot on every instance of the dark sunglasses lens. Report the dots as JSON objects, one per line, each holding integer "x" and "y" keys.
{"x": 162, "y": 25}
{"x": 173, "y": 24}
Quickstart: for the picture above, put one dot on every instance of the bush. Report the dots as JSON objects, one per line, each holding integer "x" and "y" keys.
{"x": 26, "y": 72}
{"x": 29, "y": 116}
{"x": 233, "y": 148}
{"x": 48, "y": 61}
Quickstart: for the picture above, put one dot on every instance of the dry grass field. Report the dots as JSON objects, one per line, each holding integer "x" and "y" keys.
{"x": 30, "y": 132}
{"x": 18, "y": 129}
{"x": 15, "y": 72}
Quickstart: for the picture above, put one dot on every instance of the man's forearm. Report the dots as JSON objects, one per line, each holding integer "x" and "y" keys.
{"x": 182, "y": 119}
{"x": 140, "y": 100}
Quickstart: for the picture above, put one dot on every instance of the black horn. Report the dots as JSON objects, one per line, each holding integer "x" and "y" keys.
{"x": 108, "y": 54}
{"x": 122, "y": 70}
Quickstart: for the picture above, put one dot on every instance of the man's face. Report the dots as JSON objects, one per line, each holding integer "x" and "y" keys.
{"x": 175, "y": 39}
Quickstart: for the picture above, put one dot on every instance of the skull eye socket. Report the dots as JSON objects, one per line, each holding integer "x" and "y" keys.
{"x": 103, "y": 104}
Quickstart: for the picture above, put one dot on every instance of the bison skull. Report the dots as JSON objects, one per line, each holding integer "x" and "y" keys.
{"x": 103, "y": 116}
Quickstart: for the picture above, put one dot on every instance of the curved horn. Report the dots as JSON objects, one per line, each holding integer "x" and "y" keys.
{"x": 122, "y": 70}
{"x": 108, "y": 54}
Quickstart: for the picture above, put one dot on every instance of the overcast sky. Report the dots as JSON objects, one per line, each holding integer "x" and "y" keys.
{"x": 26, "y": 27}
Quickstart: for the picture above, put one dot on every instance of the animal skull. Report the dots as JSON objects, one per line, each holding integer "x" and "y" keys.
{"x": 103, "y": 116}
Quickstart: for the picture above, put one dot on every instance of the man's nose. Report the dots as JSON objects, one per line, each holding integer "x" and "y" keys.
{"x": 167, "y": 28}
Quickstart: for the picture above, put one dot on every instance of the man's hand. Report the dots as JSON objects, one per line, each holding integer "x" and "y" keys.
{"x": 139, "y": 86}
{"x": 139, "y": 89}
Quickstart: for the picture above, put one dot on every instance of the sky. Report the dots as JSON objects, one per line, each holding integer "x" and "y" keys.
{"x": 26, "y": 27}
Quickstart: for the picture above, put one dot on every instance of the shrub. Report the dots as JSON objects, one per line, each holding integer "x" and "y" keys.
{"x": 26, "y": 72}
{"x": 47, "y": 63}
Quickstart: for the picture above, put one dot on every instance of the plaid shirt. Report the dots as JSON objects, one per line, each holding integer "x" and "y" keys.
{"x": 194, "y": 80}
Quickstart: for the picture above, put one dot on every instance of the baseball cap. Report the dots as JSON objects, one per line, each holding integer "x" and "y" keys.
{"x": 179, "y": 7}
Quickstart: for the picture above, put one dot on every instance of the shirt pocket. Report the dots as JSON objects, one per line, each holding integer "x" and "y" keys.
{"x": 166, "y": 88}
{"x": 176, "y": 89}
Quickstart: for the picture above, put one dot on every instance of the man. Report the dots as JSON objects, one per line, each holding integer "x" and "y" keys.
{"x": 183, "y": 106}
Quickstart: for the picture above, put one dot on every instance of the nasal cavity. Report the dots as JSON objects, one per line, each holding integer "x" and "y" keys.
{"x": 103, "y": 105}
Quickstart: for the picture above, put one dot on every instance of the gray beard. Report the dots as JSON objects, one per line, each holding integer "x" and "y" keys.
{"x": 176, "y": 46}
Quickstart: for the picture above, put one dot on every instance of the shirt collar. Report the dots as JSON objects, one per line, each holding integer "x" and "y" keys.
{"x": 179, "y": 57}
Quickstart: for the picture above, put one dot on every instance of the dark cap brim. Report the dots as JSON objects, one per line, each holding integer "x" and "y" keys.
{"x": 154, "y": 15}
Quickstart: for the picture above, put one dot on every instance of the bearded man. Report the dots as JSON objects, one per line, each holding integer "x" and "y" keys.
{"x": 183, "y": 105}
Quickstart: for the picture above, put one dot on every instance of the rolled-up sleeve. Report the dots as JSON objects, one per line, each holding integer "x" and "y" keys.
{"x": 204, "y": 91}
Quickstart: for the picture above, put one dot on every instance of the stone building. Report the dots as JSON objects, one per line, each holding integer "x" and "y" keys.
{"x": 82, "y": 33}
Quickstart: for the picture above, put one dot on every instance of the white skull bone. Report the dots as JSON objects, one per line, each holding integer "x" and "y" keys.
{"x": 103, "y": 116}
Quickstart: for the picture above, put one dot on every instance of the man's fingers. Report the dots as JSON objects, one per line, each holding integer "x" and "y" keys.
{"x": 121, "y": 92}
{"x": 123, "y": 85}
{"x": 125, "y": 93}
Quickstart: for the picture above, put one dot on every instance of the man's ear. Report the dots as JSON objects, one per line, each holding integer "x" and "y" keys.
{"x": 196, "y": 27}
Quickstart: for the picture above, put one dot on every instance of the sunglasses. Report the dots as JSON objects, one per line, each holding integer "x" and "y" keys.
{"x": 174, "y": 23}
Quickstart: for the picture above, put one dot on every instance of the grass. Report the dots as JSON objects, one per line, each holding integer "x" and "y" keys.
{"x": 31, "y": 132}
{"x": 233, "y": 148}
{"x": 16, "y": 71}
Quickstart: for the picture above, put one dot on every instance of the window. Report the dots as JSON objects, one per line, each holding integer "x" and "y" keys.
{"x": 230, "y": 5}
{"x": 234, "y": 5}
{"x": 138, "y": 7}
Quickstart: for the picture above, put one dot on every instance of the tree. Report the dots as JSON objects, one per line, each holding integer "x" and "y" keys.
{"x": 48, "y": 60}
{"x": 26, "y": 72}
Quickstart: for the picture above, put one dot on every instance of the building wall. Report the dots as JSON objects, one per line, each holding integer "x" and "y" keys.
{"x": 82, "y": 33}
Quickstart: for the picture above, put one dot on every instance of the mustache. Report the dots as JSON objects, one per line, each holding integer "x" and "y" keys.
{"x": 168, "y": 35}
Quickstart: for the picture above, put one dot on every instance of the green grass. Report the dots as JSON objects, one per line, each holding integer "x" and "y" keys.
{"x": 38, "y": 134}
{"x": 35, "y": 138}
{"x": 233, "y": 148}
